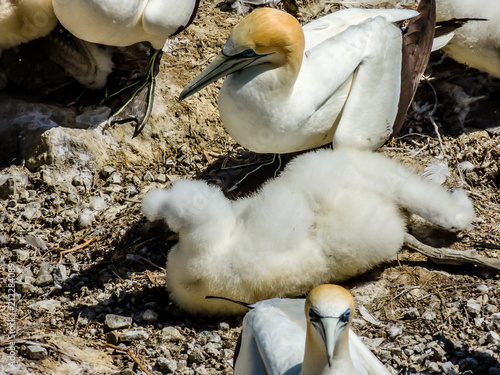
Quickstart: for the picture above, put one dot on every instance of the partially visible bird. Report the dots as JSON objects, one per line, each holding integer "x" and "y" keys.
{"x": 24, "y": 20}
{"x": 126, "y": 22}
{"x": 330, "y": 215}
{"x": 277, "y": 338}
{"x": 476, "y": 43}
{"x": 290, "y": 88}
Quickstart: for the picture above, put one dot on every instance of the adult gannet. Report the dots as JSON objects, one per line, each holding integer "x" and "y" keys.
{"x": 24, "y": 20}
{"x": 125, "y": 22}
{"x": 477, "y": 43}
{"x": 291, "y": 88}
{"x": 330, "y": 215}
{"x": 277, "y": 338}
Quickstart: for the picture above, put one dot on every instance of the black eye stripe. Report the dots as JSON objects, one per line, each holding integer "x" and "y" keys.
{"x": 314, "y": 316}
{"x": 248, "y": 53}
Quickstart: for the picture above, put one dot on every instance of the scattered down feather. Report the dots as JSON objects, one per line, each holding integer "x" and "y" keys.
{"x": 327, "y": 217}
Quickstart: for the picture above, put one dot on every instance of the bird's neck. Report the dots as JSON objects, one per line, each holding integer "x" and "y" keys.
{"x": 288, "y": 68}
{"x": 315, "y": 356}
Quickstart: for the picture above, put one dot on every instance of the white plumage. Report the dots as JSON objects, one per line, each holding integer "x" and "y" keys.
{"x": 291, "y": 88}
{"x": 327, "y": 217}
{"x": 278, "y": 338}
{"x": 24, "y": 20}
{"x": 476, "y": 43}
{"x": 125, "y": 22}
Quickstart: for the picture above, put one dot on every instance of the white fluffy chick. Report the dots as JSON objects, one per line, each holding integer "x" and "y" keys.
{"x": 329, "y": 216}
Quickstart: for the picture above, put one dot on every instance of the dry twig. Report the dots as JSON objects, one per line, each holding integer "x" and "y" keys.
{"x": 449, "y": 256}
{"x": 130, "y": 354}
{"x": 76, "y": 248}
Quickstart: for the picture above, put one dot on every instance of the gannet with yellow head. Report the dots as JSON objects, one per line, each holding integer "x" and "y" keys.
{"x": 291, "y": 88}
{"x": 277, "y": 337}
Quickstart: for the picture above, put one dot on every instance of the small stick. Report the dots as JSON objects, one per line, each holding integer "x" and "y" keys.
{"x": 76, "y": 248}
{"x": 130, "y": 354}
{"x": 449, "y": 256}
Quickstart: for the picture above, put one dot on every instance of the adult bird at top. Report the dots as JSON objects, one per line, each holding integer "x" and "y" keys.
{"x": 278, "y": 339}
{"x": 125, "y": 22}
{"x": 291, "y": 88}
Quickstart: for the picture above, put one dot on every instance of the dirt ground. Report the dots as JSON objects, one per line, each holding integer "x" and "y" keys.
{"x": 417, "y": 316}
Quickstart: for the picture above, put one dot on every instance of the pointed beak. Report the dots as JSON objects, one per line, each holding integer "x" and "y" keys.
{"x": 220, "y": 67}
{"x": 329, "y": 334}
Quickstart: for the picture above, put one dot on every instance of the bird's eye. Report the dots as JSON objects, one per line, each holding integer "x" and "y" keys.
{"x": 313, "y": 316}
{"x": 248, "y": 53}
{"x": 345, "y": 316}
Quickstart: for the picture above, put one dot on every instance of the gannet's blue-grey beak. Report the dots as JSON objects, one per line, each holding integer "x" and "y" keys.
{"x": 221, "y": 66}
{"x": 329, "y": 332}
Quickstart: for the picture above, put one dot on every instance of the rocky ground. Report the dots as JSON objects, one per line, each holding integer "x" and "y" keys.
{"x": 89, "y": 270}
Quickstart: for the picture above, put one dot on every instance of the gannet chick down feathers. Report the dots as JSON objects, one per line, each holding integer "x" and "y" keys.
{"x": 327, "y": 217}
{"x": 290, "y": 88}
{"x": 277, "y": 338}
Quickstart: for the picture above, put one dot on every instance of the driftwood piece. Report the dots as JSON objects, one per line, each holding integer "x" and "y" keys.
{"x": 450, "y": 256}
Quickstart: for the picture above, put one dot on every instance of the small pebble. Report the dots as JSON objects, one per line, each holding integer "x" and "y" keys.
{"x": 171, "y": 334}
{"x": 36, "y": 241}
{"x": 36, "y": 352}
{"x": 44, "y": 275}
{"x": 167, "y": 365}
{"x": 113, "y": 321}
{"x": 149, "y": 316}
{"x": 8, "y": 186}
{"x": 224, "y": 326}
{"x": 132, "y": 335}
{"x": 148, "y": 177}
{"x": 447, "y": 368}
{"x": 473, "y": 307}
{"x": 50, "y": 306}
